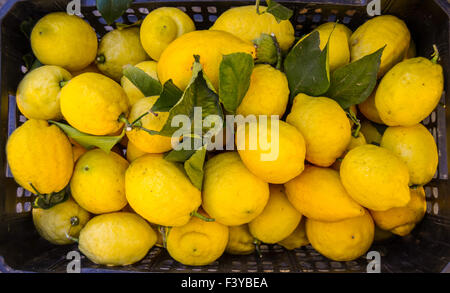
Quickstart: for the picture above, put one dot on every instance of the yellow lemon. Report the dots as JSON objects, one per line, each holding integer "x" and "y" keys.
{"x": 133, "y": 152}
{"x": 278, "y": 219}
{"x": 197, "y": 243}
{"x": 118, "y": 48}
{"x": 98, "y": 182}
{"x": 324, "y": 125}
{"x": 297, "y": 238}
{"x": 133, "y": 93}
{"x": 380, "y": 31}
{"x": 318, "y": 194}
{"x": 160, "y": 191}
{"x": 64, "y": 40}
{"x": 116, "y": 239}
{"x": 245, "y": 23}
{"x": 90, "y": 68}
{"x": 344, "y": 240}
{"x": 93, "y": 103}
{"x": 60, "y": 222}
{"x": 375, "y": 178}
{"x": 154, "y": 121}
{"x": 402, "y": 220}
{"x": 240, "y": 241}
{"x": 415, "y": 145}
{"x": 338, "y": 37}
{"x": 272, "y": 150}
{"x": 268, "y": 93}
{"x": 354, "y": 142}
{"x": 161, "y": 27}
{"x": 369, "y": 110}
{"x": 40, "y": 154}
{"x": 176, "y": 61}
{"x": 38, "y": 92}
{"x": 231, "y": 193}
{"x": 78, "y": 151}
{"x": 409, "y": 92}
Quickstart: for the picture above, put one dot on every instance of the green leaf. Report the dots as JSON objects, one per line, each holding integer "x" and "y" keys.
{"x": 234, "y": 79}
{"x": 307, "y": 68}
{"x": 181, "y": 156}
{"x": 279, "y": 11}
{"x": 197, "y": 94}
{"x": 194, "y": 167}
{"x": 353, "y": 83}
{"x": 47, "y": 201}
{"x": 26, "y": 26}
{"x": 106, "y": 143}
{"x": 144, "y": 82}
{"x": 268, "y": 50}
{"x": 168, "y": 98}
{"x": 112, "y": 9}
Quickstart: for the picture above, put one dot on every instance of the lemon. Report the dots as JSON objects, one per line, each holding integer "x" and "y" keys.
{"x": 337, "y": 36}
{"x": 272, "y": 150}
{"x": 375, "y": 178}
{"x": 297, "y": 238}
{"x": 324, "y": 125}
{"x": 268, "y": 93}
{"x": 133, "y": 152}
{"x": 38, "y": 92}
{"x": 278, "y": 219}
{"x": 60, "y": 222}
{"x": 344, "y": 240}
{"x": 415, "y": 145}
{"x": 380, "y": 31}
{"x": 93, "y": 103}
{"x": 90, "y": 68}
{"x": 143, "y": 140}
{"x": 371, "y": 133}
{"x": 118, "y": 48}
{"x": 381, "y": 235}
{"x": 369, "y": 110}
{"x": 64, "y": 40}
{"x": 402, "y": 220}
{"x": 198, "y": 242}
{"x": 231, "y": 193}
{"x": 354, "y": 142}
{"x": 40, "y": 154}
{"x": 116, "y": 239}
{"x": 176, "y": 61}
{"x": 240, "y": 241}
{"x": 409, "y": 92}
{"x": 248, "y": 25}
{"x": 160, "y": 191}
{"x": 161, "y": 27}
{"x": 78, "y": 151}
{"x": 318, "y": 194}
{"x": 94, "y": 167}
{"x": 133, "y": 93}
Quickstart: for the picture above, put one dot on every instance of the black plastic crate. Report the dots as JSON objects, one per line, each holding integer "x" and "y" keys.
{"x": 427, "y": 249}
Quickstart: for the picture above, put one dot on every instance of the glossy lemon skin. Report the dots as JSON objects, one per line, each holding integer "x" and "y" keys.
{"x": 64, "y": 40}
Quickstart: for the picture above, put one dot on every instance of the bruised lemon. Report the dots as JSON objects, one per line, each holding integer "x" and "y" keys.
{"x": 64, "y": 40}
{"x": 39, "y": 91}
{"x": 161, "y": 27}
{"x": 198, "y": 242}
{"x": 319, "y": 194}
{"x": 272, "y": 150}
{"x": 40, "y": 157}
{"x": 116, "y": 239}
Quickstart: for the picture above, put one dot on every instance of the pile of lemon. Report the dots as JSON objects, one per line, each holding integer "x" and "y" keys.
{"x": 327, "y": 187}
